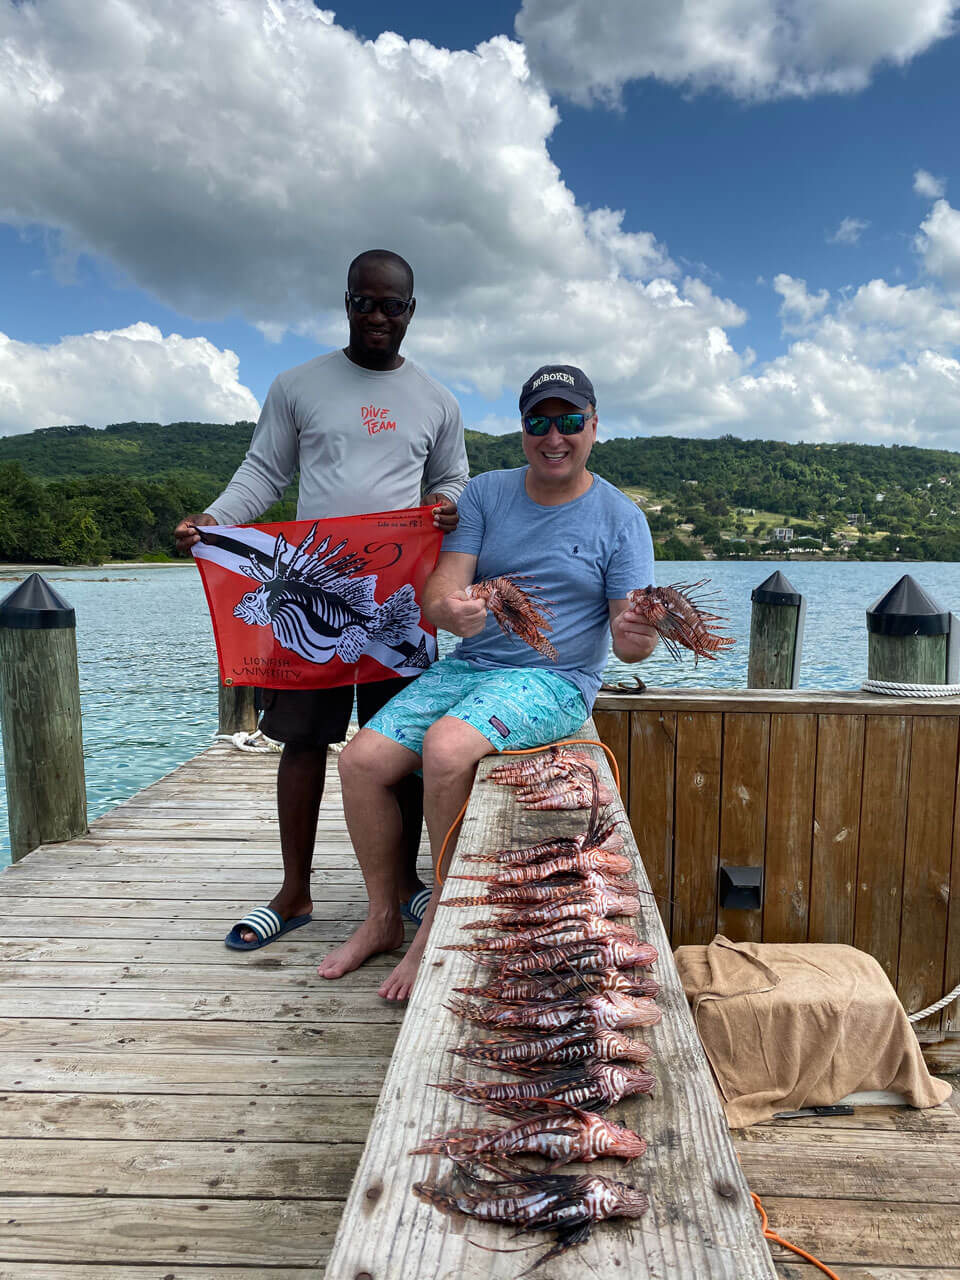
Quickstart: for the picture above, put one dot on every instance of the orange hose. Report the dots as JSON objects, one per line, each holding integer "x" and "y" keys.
{"x": 524, "y": 751}
{"x": 772, "y": 1235}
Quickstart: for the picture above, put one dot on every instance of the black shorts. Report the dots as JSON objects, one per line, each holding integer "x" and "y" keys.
{"x": 317, "y": 717}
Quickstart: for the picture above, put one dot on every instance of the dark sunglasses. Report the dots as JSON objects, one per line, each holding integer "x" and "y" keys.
{"x": 568, "y": 424}
{"x": 391, "y": 307}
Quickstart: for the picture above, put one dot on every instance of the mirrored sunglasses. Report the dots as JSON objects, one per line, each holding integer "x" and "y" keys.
{"x": 568, "y": 424}
{"x": 391, "y": 307}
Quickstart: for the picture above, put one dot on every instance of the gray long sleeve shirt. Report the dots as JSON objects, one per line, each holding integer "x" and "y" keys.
{"x": 364, "y": 441}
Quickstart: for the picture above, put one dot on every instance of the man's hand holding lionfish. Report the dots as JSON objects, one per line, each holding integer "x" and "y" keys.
{"x": 679, "y": 619}
{"x": 674, "y": 612}
{"x": 515, "y": 611}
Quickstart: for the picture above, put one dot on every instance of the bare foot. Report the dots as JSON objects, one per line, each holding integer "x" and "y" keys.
{"x": 400, "y": 982}
{"x": 376, "y": 934}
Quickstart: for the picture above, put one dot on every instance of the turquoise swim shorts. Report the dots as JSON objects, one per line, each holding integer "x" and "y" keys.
{"x": 513, "y": 707}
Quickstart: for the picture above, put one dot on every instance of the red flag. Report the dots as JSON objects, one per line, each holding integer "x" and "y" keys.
{"x": 310, "y": 604}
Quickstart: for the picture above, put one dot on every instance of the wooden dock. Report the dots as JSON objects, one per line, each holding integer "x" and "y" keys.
{"x": 171, "y": 1110}
{"x": 847, "y": 803}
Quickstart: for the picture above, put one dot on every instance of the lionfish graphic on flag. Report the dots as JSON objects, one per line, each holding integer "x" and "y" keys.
{"x": 314, "y": 620}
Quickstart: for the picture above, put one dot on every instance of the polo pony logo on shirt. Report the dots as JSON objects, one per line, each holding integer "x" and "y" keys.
{"x": 376, "y": 420}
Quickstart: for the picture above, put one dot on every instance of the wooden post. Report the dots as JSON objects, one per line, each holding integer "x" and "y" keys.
{"x": 907, "y": 636}
{"x": 776, "y": 634}
{"x": 237, "y": 712}
{"x": 40, "y": 717}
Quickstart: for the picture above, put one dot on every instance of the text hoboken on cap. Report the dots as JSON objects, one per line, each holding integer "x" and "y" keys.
{"x": 552, "y": 377}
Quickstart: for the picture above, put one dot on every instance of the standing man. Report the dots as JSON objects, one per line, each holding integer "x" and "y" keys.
{"x": 586, "y": 545}
{"x": 369, "y": 431}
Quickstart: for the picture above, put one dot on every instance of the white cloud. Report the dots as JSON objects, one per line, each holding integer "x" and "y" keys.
{"x": 799, "y": 308}
{"x": 848, "y": 232}
{"x": 132, "y": 374}
{"x": 938, "y": 243}
{"x": 752, "y": 49}
{"x": 234, "y": 157}
{"x": 878, "y": 365}
{"x": 926, "y": 185}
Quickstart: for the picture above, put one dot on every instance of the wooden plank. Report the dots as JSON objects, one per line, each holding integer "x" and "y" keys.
{"x": 293, "y": 954}
{"x": 791, "y": 1267}
{"x": 238, "y": 1073}
{"x": 155, "y": 1230}
{"x": 743, "y": 811}
{"x": 183, "y": 871}
{"x": 821, "y": 702}
{"x": 100, "y": 1271}
{"x": 900, "y": 1120}
{"x": 216, "y": 1118}
{"x": 613, "y": 729}
{"x": 324, "y": 933}
{"x": 97, "y": 1035}
{"x": 696, "y": 828}
{"x": 951, "y": 1015}
{"x": 254, "y": 975}
{"x": 842, "y": 1232}
{"x": 250, "y": 891}
{"x": 883, "y": 815}
{"x": 926, "y": 878}
{"x": 352, "y": 1000}
{"x": 878, "y": 1166}
{"x": 652, "y": 780}
{"x": 700, "y": 1223}
{"x": 790, "y": 799}
{"x": 943, "y": 1057}
{"x": 279, "y": 1170}
{"x": 836, "y": 828}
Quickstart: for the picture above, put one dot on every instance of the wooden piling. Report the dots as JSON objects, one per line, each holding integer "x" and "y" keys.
{"x": 776, "y": 634}
{"x": 907, "y": 636}
{"x": 40, "y": 717}
{"x": 237, "y": 713}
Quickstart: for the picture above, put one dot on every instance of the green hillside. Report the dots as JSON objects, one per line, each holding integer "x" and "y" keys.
{"x": 78, "y": 495}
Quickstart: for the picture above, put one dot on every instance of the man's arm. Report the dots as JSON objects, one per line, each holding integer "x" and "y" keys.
{"x": 446, "y": 471}
{"x": 445, "y": 599}
{"x": 633, "y": 640}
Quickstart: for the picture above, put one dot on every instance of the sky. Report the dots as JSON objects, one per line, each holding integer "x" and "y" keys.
{"x": 735, "y": 215}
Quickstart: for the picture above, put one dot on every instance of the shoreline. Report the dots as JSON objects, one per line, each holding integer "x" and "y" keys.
{"x": 6, "y": 568}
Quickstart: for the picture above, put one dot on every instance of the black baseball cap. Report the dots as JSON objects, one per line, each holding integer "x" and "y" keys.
{"x": 559, "y": 381}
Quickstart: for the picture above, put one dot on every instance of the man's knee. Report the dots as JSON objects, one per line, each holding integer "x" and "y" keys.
{"x": 358, "y": 760}
{"x": 450, "y": 747}
{"x": 370, "y": 759}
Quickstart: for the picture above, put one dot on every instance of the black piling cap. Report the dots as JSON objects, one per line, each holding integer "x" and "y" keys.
{"x": 777, "y": 589}
{"x": 907, "y": 610}
{"x": 35, "y": 606}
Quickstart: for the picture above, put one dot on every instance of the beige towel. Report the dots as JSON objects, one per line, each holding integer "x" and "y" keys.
{"x": 788, "y": 1025}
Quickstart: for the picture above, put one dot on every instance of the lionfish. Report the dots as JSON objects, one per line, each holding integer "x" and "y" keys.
{"x": 678, "y": 618}
{"x": 543, "y": 1201}
{"x": 515, "y": 611}
{"x": 320, "y": 604}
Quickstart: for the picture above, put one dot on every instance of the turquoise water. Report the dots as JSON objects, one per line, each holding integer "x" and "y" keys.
{"x": 148, "y": 675}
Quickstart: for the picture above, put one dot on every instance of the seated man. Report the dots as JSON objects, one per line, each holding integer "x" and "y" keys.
{"x": 585, "y": 545}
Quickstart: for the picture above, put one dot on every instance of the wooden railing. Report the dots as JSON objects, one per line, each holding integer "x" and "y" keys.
{"x": 848, "y": 802}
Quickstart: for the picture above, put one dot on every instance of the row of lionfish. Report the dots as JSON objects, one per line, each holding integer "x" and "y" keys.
{"x": 562, "y": 979}
{"x": 677, "y": 613}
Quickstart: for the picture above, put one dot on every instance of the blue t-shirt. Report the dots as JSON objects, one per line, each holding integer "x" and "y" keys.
{"x": 581, "y": 553}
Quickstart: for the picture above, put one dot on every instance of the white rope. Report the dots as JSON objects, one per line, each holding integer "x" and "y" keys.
{"x": 257, "y": 742}
{"x": 896, "y": 690}
{"x": 935, "y": 1008}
